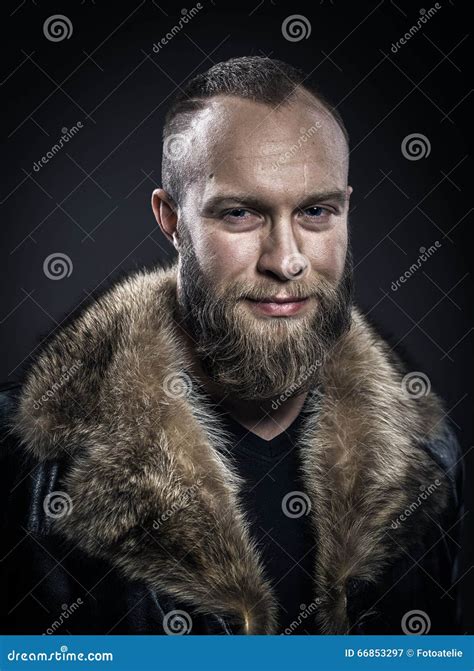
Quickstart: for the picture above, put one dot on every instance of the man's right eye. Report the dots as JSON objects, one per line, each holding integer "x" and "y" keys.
{"x": 237, "y": 213}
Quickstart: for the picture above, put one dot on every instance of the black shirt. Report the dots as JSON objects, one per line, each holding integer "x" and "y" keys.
{"x": 278, "y": 512}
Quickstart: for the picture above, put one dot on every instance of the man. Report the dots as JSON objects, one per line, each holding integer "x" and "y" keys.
{"x": 227, "y": 446}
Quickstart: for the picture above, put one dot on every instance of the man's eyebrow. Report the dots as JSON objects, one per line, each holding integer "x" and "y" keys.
{"x": 229, "y": 198}
{"x": 338, "y": 196}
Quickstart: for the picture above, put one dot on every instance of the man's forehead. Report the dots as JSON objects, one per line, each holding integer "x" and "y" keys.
{"x": 236, "y": 140}
{"x": 269, "y": 182}
{"x": 234, "y": 121}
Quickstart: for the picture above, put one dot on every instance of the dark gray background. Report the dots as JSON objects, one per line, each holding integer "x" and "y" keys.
{"x": 91, "y": 201}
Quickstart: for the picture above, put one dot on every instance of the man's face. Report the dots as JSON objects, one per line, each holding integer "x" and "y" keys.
{"x": 264, "y": 221}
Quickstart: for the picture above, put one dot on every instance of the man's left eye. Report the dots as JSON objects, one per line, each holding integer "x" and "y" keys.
{"x": 238, "y": 212}
{"x": 316, "y": 211}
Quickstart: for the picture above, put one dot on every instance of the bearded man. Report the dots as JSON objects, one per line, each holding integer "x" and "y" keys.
{"x": 227, "y": 445}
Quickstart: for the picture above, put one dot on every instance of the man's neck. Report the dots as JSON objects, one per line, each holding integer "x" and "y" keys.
{"x": 266, "y": 419}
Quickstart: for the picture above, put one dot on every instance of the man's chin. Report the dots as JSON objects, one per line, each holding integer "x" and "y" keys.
{"x": 273, "y": 358}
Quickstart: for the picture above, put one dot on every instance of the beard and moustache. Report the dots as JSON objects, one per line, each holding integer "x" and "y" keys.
{"x": 260, "y": 358}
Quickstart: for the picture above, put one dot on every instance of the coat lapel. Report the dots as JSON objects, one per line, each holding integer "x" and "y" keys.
{"x": 364, "y": 467}
{"x": 152, "y": 490}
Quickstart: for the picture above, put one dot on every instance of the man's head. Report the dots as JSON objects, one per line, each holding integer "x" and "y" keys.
{"x": 255, "y": 199}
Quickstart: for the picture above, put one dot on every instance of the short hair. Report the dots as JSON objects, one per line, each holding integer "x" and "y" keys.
{"x": 257, "y": 78}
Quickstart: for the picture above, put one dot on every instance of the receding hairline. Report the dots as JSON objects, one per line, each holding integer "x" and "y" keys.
{"x": 190, "y": 167}
{"x": 271, "y": 83}
{"x": 300, "y": 96}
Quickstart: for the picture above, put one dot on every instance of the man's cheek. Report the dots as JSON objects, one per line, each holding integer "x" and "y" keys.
{"x": 232, "y": 254}
{"x": 328, "y": 256}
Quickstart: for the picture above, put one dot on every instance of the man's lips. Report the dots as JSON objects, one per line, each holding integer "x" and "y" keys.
{"x": 279, "y": 306}
{"x": 281, "y": 299}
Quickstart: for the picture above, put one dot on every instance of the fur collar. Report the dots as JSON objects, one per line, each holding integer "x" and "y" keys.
{"x": 150, "y": 492}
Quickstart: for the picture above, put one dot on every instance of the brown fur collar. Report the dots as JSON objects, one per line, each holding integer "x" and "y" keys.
{"x": 151, "y": 493}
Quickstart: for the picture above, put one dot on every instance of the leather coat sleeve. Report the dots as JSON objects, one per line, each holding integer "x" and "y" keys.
{"x": 420, "y": 593}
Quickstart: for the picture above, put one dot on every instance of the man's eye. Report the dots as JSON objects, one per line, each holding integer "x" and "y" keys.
{"x": 240, "y": 216}
{"x": 316, "y": 212}
{"x": 237, "y": 213}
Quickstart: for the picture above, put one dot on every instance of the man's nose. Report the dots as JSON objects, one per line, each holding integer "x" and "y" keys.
{"x": 281, "y": 255}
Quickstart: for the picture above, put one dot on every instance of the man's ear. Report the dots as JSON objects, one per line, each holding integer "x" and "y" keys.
{"x": 349, "y": 191}
{"x": 166, "y": 214}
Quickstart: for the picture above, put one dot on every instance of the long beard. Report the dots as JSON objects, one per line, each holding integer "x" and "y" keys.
{"x": 260, "y": 358}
